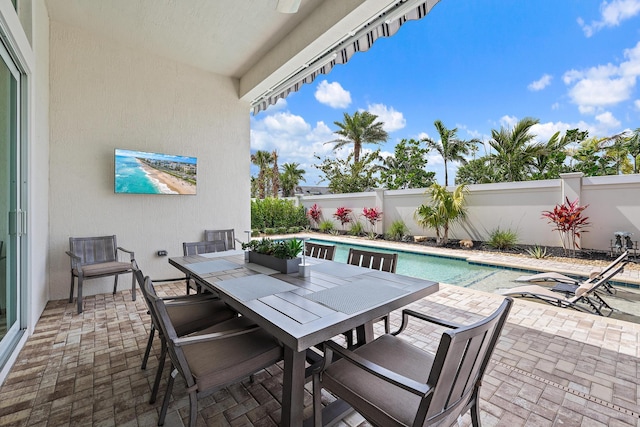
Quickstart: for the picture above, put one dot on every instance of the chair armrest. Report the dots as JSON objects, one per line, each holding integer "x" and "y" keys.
{"x": 405, "y": 320}
{"x": 127, "y": 251}
{"x": 75, "y": 260}
{"x": 238, "y": 240}
{"x": 194, "y": 339}
{"x": 394, "y": 378}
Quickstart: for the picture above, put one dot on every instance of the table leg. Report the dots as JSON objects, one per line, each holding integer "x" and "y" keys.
{"x": 293, "y": 387}
{"x": 364, "y": 333}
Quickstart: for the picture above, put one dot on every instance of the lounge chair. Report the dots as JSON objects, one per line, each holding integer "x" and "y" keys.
{"x": 585, "y": 298}
{"x": 568, "y": 285}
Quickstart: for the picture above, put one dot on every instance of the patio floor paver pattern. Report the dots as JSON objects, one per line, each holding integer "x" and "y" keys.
{"x": 552, "y": 367}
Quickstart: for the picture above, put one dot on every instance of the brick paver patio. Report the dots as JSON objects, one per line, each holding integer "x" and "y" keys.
{"x": 552, "y": 367}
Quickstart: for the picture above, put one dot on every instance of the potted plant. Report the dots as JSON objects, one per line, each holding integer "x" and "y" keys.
{"x": 280, "y": 255}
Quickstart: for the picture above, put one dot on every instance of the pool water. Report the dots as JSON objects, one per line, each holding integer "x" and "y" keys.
{"x": 441, "y": 269}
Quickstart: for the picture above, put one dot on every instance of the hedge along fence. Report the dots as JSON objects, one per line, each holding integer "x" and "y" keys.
{"x": 279, "y": 215}
{"x": 614, "y": 205}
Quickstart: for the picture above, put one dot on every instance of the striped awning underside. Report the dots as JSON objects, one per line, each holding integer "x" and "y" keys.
{"x": 361, "y": 41}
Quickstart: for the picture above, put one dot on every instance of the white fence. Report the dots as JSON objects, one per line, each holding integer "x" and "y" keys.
{"x": 613, "y": 205}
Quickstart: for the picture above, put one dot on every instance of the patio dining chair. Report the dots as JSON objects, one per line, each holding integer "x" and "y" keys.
{"x": 197, "y": 248}
{"x": 377, "y": 261}
{"x": 228, "y": 235}
{"x": 214, "y": 358}
{"x": 318, "y": 250}
{"x": 391, "y": 382}
{"x": 94, "y": 257}
{"x": 188, "y": 313}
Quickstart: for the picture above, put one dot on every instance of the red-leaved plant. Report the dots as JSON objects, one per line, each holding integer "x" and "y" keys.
{"x": 314, "y": 213}
{"x": 343, "y": 215}
{"x": 569, "y": 222}
{"x": 372, "y": 215}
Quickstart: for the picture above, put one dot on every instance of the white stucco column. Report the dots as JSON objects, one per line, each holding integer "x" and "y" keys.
{"x": 380, "y": 205}
{"x": 571, "y": 186}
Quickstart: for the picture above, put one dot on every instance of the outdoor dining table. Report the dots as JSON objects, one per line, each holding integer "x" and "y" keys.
{"x": 302, "y": 312}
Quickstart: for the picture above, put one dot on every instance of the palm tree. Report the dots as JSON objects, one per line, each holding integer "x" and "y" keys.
{"x": 359, "y": 129}
{"x": 290, "y": 176}
{"x": 514, "y": 150}
{"x": 262, "y": 159}
{"x": 633, "y": 146}
{"x": 445, "y": 209}
{"x": 275, "y": 174}
{"x": 450, "y": 147}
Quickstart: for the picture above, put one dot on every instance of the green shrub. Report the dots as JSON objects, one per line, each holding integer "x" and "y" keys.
{"x": 255, "y": 233}
{"x": 281, "y": 230}
{"x": 326, "y": 226}
{"x": 397, "y": 230}
{"x": 502, "y": 239}
{"x": 274, "y": 213}
{"x": 269, "y": 231}
{"x": 357, "y": 229}
{"x": 537, "y": 252}
{"x": 293, "y": 230}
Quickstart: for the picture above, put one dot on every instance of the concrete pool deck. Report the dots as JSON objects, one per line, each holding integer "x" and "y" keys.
{"x": 552, "y": 367}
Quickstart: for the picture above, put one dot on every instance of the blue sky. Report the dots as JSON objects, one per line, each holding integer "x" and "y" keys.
{"x": 476, "y": 65}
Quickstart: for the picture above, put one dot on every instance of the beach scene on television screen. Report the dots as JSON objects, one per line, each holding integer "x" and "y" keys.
{"x": 139, "y": 172}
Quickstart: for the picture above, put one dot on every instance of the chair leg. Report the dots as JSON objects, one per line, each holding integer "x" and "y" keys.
{"x": 79, "y": 295}
{"x": 71, "y": 293}
{"x": 193, "y": 408}
{"x": 317, "y": 403}
{"x": 475, "y": 414}
{"x": 152, "y": 333}
{"x": 187, "y": 282}
{"x": 115, "y": 284}
{"x": 133, "y": 286}
{"x": 167, "y": 398}
{"x": 156, "y": 382}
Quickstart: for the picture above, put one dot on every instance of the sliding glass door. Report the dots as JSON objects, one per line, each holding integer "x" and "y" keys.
{"x": 12, "y": 219}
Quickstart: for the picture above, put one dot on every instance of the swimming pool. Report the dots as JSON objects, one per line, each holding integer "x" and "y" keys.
{"x": 440, "y": 269}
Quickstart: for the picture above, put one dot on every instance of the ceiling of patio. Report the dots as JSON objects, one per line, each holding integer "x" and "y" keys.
{"x": 244, "y": 39}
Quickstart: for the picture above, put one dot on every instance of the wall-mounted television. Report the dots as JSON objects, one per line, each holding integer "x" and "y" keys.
{"x": 138, "y": 172}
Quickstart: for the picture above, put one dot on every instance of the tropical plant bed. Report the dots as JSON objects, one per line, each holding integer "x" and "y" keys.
{"x": 519, "y": 249}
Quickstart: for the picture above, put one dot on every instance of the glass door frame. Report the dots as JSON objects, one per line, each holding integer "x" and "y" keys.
{"x": 16, "y": 247}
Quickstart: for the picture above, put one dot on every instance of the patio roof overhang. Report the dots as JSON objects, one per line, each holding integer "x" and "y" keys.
{"x": 358, "y": 39}
{"x": 269, "y": 53}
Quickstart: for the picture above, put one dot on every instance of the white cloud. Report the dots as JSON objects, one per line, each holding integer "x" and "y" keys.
{"x": 508, "y": 121}
{"x": 637, "y": 104}
{"x": 611, "y": 15}
{"x": 607, "y": 120}
{"x": 541, "y": 83}
{"x": 333, "y": 95}
{"x": 392, "y": 120}
{"x": 604, "y": 85}
{"x": 555, "y": 106}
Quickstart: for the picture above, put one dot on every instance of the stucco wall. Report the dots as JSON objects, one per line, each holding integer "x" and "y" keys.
{"x": 614, "y": 205}
{"x": 39, "y": 164}
{"x": 106, "y": 96}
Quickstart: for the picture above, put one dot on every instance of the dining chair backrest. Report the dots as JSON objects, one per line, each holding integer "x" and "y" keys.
{"x": 460, "y": 362}
{"x": 318, "y": 250}
{"x": 195, "y": 248}
{"x": 93, "y": 250}
{"x": 374, "y": 260}
{"x": 227, "y": 235}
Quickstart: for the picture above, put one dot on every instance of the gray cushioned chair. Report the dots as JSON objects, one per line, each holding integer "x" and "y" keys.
{"x": 376, "y": 261}
{"x": 93, "y": 257}
{"x": 196, "y": 248}
{"x": 214, "y": 358}
{"x": 390, "y": 382}
{"x": 188, "y": 314}
{"x": 228, "y": 235}
{"x": 318, "y": 250}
